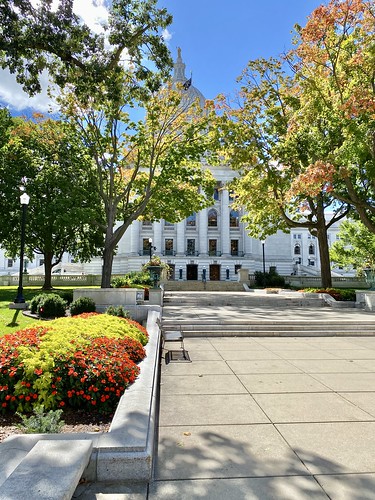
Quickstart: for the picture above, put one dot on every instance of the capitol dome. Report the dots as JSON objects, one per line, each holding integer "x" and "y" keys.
{"x": 179, "y": 76}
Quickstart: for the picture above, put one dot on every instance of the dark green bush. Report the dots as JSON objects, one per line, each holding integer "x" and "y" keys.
{"x": 67, "y": 295}
{"x": 117, "y": 311}
{"x": 269, "y": 279}
{"x": 35, "y": 301}
{"x": 52, "y": 306}
{"x": 82, "y": 305}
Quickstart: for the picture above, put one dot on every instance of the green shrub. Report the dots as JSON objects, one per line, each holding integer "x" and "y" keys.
{"x": 269, "y": 279}
{"x": 117, "y": 311}
{"x": 35, "y": 301}
{"x": 41, "y": 422}
{"x": 52, "y": 306}
{"x": 82, "y": 305}
{"x": 67, "y": 295}
{"x": 135, "y": 279}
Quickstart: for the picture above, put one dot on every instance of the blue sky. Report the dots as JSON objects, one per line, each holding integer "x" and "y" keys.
{"x": 219, "y": 37}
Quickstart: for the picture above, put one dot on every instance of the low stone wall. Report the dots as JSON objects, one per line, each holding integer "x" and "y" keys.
{"x": 365, "y": 299}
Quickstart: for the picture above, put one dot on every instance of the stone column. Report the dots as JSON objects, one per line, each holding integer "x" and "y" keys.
{"x": 157, "y": 240}
{"x": 248, "y": 243}
{"x": 135, "y": 245}
{"x": 180, "y": 243}
{"x": 203, "y": 232}
{"x": 225, "y": 234}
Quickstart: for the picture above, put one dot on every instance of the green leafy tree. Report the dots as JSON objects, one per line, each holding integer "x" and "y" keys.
{"x": 355, "y": 247}
{"x": 260, "y": 141}
{"x": 58, "y": 174}
{"x": 49, "y": 36}
{"x": 151, "y": 168}
{"x": 334, "y": 66}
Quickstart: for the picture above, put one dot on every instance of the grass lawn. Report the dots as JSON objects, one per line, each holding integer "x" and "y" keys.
{"x": 7, "y": 295}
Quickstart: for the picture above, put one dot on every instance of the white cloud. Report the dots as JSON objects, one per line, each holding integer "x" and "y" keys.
{"x": 167, "y": 35}
{"x": 11, "y": 93}
{"x": 93, "y": 13}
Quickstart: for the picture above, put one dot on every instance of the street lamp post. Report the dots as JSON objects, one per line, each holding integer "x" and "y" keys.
{"x": 151, "y": 248}
{"x": 264, "y": 262}
{"x": 264, "y": 257}
{"x": 24, "y": 199}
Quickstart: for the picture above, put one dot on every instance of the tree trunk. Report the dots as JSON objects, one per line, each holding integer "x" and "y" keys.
{"x": 107, "y": 267}
{"x": 325, "y": 263}
{"x": 47, "y": 271}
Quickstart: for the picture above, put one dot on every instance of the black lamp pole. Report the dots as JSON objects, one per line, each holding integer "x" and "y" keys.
{"x": 264, "y": 258}
{"x": 24, "y": 198}
{"x": 150, "y": 241}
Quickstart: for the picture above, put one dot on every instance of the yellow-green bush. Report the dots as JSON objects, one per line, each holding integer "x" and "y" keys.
{"x": 84, "y": 360}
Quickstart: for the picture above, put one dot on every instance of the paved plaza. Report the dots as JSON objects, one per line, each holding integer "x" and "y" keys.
{"x": 268, "y": 418}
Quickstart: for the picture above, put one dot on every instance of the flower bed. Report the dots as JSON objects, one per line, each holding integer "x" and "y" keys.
{"x": 84, "y": 362}
{"x": 339, "y": 294}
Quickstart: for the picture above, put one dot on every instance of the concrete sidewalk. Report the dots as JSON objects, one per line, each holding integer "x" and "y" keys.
{"x": 268, "y": 418}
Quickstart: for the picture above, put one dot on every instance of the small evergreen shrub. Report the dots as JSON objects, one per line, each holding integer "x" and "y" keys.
{"x": 82, "y": 305}
{"x": 41, "y": 422}
{"x": 270, "y": 279}
{"x": 117, "y": 311}
{"x": 52, "y": 306}
{"x": 35, "y": 301}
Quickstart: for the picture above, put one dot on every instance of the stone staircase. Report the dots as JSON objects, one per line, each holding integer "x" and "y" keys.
{"x": 241, "y": 298}
{"x": 209, "y": 286}
{"x": 259, "y": 314}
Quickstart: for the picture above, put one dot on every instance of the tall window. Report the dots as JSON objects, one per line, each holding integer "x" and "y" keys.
{"x": 311, "y": 249}
{"x": 168, "y": 246}
{"x": 234, "y": 247}
{"x": 212, "y": 247}
{"x": 297, "y": 250}
{"x": 10, "y": 262}
{"x": 212, "y": 218}
{"x": 234, "y": 218}
{"x": 191, "y": 221}
{"x": 146, "y": 246}
{"x": 190, "y": 247}
{"x": 217, "y": 191}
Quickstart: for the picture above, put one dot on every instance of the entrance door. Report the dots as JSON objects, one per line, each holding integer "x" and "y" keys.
{"x": 172, "y": 272}
{"x": 192, "y": 272}
{"x": 214, "y": 272}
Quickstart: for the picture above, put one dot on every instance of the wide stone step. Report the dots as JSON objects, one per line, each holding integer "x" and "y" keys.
{"x": 279, "y": 333}
{"x": 51, "y": 471}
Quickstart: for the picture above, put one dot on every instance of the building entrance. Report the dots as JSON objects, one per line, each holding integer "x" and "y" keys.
{"x": 192, "y": 272}
{"x": 214, "y": 272}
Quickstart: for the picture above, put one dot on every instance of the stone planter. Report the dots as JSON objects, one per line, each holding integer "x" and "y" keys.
{"x": 104, "y": 297}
